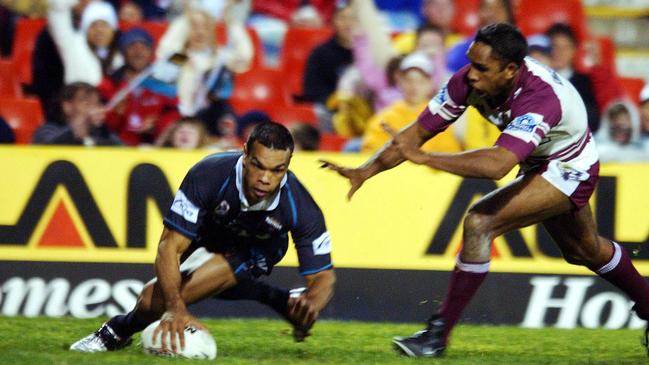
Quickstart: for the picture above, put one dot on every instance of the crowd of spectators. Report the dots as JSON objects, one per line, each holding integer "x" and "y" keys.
{"x": 104, "y": 79}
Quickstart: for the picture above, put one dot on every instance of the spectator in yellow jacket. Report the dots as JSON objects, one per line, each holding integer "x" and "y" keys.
{"x": 414, "y": 79}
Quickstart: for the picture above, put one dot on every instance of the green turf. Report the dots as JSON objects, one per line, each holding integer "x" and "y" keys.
{"x": 244, "y": 341}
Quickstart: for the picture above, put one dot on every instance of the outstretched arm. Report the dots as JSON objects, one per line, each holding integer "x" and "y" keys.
{"x": 387, "y": 157}
{"x": 241, "y": 50}
{"x": 490, "y": 163}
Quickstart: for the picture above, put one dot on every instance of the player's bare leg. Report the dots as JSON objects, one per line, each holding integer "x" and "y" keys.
{"x": 275, "y": 297}
{"x": 210, "y": 278}
{"x": 525, "y": 201}
{"x": 576, "y": 234}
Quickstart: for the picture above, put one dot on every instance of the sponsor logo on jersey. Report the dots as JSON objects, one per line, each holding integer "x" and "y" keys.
{"x": 184, "y": 207}
{"x": 524, "y": 123}
{"x": 524, "y": 127}
{"x": 517, "y": 92}
{"x": 442, "y": 95}
{"x": 322, "y": 244}
{"x": 222, "y": 209}
{"x": 273, "y": 223}
{"x": 570, "y": 173}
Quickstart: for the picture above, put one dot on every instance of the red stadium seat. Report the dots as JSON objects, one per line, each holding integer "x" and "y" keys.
{"x": 23, "y": 115}
{"x": 260, "y": 89}
{"x": 607, "y": 49}
{"x": 9, "y": 83}
{"x": 241, "y": 107}
{"x": 332, "y": 142}
{"x": 258, "y": 48}
{"x": 155, "y": 29}
{"x": 298, "y": 44}
{"x": 536, "y": 16}
{"x": 24, "y": 40}
{"x": 465, "y": 20}
{"x": 632, "y": 88}
{"x": 294, "y": 114}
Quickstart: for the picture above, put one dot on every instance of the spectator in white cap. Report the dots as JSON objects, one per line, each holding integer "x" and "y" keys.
{"x": 539, "y": 47}
{"x": 416, "y": 84}
{"x": 99, "y": 15}
{"x": 90, "y": 52}
{"x": 644, "y": 117}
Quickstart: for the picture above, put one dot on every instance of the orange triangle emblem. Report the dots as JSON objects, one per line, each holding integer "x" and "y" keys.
{"x": 61, "y": 231}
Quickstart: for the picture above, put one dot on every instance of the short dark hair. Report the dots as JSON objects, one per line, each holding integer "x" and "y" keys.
{"x": 54, "y": 111}
{"x": 507, "y": 42}
{"x": 71, "y": 90}
{"x": 392, "y": 67}
{"x": 307, "y": 137}
{"x": 617, "y": 110}
{"x": 562, "y": 29}
{"x": 272, "y": 135}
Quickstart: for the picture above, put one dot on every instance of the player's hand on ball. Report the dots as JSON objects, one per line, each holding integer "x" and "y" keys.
{"x": 302, "y": 311}
{"x": 356, "y": 176}
{"x": 408, "y": 150}
{"x": 172, "y": 326}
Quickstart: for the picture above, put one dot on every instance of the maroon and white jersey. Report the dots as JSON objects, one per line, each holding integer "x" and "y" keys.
{"x": 543, "y": 121}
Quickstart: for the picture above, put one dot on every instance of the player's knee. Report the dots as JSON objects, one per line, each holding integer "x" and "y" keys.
{"x": 476, "y": 223}
{"x": 145, "y": 301}
{"x": 143, "y": 304}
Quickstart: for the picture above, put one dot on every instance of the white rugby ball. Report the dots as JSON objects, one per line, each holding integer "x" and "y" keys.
{"x": 199, "y": 344}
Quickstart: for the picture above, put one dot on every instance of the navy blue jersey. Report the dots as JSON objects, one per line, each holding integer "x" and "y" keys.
{"x": 207, "y": 208}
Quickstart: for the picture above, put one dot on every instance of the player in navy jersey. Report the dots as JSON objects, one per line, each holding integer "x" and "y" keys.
{"x": 228, "y": 225}
{"x": 544, "y": 128}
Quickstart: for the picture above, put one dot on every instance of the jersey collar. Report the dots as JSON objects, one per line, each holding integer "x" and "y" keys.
{"x": 269, "y": 203}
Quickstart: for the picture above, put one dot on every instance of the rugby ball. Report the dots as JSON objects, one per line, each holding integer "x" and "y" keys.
{"x": 199, "y": 344}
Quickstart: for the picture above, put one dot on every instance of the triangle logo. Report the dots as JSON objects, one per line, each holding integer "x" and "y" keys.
{"x": 61, "y": 230}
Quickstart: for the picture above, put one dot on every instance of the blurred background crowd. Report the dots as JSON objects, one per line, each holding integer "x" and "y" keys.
{"x": 191, "y": 74}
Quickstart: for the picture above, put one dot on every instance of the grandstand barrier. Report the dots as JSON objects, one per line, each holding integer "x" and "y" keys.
{"x": 79, "y": 231}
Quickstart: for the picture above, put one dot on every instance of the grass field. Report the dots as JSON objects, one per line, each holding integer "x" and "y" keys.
{"x": 244, "y": 341}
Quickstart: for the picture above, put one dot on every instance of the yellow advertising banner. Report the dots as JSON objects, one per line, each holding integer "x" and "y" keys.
{"x": 106, "y": 205}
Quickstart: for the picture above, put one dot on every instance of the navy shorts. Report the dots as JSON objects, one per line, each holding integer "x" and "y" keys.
{"x": 246, "y": 264}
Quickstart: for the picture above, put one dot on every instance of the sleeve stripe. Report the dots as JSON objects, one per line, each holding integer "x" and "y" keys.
{"x": 225, "y": 184}
{"x": 176, "y": 227}
{"x": 446, "y": 114}
{"x": 240, "y": 267}
{"x": 292, "y": 202}
{"x": 309, "y": 272}
{"x": 434, "y": 123}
